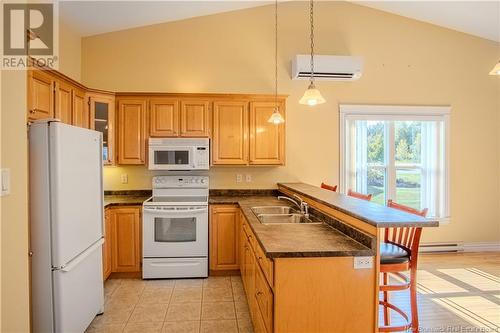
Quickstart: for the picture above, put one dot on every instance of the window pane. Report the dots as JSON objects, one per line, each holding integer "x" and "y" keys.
{"x": 408, "y": 141}
{"x": 376, "y": 184}
{"x": 375, "y": 142}
{"x": 408, "y": 187}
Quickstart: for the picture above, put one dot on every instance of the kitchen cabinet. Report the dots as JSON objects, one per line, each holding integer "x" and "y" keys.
{"x": 131, "y": 131}
{"x": 63, "y": 102}
{"x": 80, "y": 110}
{"x": 267, "y": 140}
{"x": 126, "y": 253}
{"x": 102, "y": 119}
{"x": 164, "y": 117}
{"x": 195, "y": 118}
{"x": 224, "y": 237}
{"x": 107, "y": 246}
{"x": 40, "y": 95}
{"x": 230, "y": 133}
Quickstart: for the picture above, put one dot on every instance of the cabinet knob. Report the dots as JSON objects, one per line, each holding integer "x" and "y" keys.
{"x": 33, "y": 111}
{"x": 260, "y": 258}
{"x": 30, "y": 253}
{"x": 259, "y": 293}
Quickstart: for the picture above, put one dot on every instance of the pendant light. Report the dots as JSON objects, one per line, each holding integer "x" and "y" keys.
{"x": 276, "y": 117}
{"x": 496, "y": 69}
{"x": 312, "y": 96}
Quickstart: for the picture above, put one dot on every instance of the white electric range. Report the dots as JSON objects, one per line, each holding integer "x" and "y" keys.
{"x": 175, "y": 228}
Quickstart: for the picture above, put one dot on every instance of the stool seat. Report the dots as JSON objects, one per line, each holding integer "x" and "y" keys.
{"x": 392, "y": 254}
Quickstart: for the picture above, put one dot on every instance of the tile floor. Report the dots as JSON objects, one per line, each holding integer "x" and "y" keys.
{"x": 216, "y": 304}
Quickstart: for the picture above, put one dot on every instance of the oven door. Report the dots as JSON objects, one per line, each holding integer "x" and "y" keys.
{"x": 171, "y": 158}
{"x": 175, "y": 231}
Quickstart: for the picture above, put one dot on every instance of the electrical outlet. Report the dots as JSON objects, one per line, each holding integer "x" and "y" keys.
{"x": 248, "y": 178}
{"x": 124, "y": 178}
{"x": 363, "y": 262}
{"x": 239, "y": 178}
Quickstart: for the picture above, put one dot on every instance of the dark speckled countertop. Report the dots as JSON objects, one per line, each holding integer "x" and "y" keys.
{"x": 294, "y": 240}
{"x": 125, "y": 199}
{"x": 369, "y": 212}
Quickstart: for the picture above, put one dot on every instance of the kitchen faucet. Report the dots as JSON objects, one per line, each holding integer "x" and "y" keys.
{"x": 303, "y": 206}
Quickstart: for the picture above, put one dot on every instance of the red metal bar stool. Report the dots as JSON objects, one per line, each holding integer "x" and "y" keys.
{"x": 398, "y": 254}
{"x": 329, "y": 187}
{"x": 367, "y": 197}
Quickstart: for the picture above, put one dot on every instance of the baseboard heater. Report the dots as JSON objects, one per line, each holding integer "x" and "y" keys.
{"x": 441, "y": 247}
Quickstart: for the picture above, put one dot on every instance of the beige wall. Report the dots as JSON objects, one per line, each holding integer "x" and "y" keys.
{"x": 406, "y": 62}
{"x": 14, "y": 229}
{"x": 70, "y": 51}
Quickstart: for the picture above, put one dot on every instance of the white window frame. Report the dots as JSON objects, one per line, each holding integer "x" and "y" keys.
{"x": 396, "y": 112}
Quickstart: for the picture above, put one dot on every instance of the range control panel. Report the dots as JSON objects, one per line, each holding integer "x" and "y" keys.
{"x": 180, "y": 181}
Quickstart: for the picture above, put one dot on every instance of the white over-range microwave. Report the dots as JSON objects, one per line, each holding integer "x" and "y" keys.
{"x": 179, "y": 154}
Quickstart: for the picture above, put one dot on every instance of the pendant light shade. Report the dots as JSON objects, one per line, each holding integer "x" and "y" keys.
{"x": 312, "y": 96}
{"x": 276, "y": 117}
{"x": 496, "y": 69}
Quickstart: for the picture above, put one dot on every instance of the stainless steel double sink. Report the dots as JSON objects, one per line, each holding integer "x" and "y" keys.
{"x": 281, "y": 215}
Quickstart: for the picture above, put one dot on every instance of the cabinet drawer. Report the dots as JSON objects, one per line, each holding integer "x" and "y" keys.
{"x": 265, "y": 264}
{"x": 264, "y": 297}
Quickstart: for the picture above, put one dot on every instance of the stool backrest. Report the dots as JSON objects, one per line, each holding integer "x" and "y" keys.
{"x": 367, "y": 197}
{"x": 405, "y": 237}
{"x": 329, "y": 187}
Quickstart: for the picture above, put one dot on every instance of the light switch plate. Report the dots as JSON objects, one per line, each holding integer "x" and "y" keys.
{"x": 363, "y": 262}
{"x": 239, "y": 178}
{"x": 248, "y": 178}
{"x": 5, "y": 178}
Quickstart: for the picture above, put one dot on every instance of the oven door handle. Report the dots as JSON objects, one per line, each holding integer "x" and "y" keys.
{"x": 181, "y": 211}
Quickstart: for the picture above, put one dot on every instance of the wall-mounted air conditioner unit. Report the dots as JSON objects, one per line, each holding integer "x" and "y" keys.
{"x": 327, "y": 67}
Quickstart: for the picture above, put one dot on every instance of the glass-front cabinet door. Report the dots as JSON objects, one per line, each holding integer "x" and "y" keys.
{"x": 102, "y": 113}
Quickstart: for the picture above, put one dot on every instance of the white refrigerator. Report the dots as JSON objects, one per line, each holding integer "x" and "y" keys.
{"x": 66, "y": 226}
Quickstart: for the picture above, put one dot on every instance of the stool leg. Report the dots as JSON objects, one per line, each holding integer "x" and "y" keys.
{"x": 413, "y": 301}
{"x": 387, "y": 314}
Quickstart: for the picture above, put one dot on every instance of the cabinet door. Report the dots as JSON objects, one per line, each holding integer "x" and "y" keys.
{"x": 164, "y": 117}
{"x": 195, "y": 115}
{"x": 107, "y": 247}
{"x": 267, "y": 140}
{"x": 131, "y": 131}
{"x": 126, "y": 251}
{"x": 40, "y": 95}
{"x": 264, "y": 298}
{"x": 224, "y": 238}
{"x": 81, "y": 114}
{"x": 230, "y": 139}
{"x": 64, "y": 103}
{"x": 241, "y": 245}
{"x": 102, "y": 119}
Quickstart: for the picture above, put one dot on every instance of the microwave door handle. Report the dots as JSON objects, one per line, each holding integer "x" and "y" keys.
{"x": 176, "y": 212}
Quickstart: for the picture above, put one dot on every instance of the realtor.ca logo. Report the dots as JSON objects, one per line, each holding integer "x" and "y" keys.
{"x": 29, "y": 35}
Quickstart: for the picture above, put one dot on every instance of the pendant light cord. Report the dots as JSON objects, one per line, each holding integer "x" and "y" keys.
{"x": 311, "y": 17}
{"x": 276, "y": 55}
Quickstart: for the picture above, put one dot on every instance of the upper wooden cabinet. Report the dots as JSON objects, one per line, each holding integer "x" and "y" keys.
{"x": 63, "y": 102}
{"x": 164, "y": 117}
{"x": 267, "y": 140}
{"x": 195, "y": 118}
{"x": 230, "y": 128}
{"x": 102, "y": 119}
{"x": 131, "y": 131}
{"x": 224, "y": 237}
{"x": 81, "y": 114}
{"x": 40, "y": 95}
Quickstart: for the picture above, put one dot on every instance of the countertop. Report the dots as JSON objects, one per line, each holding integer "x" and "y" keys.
{"x": 294, "y": 240}
{"x": 369, "y": 212}
{"x": 124, "y": 200}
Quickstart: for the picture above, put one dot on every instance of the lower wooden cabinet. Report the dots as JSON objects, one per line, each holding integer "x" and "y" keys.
{"x": 126, "y": 239}
{"x": 107, "y": 247}
{"x": 224, "y": 237}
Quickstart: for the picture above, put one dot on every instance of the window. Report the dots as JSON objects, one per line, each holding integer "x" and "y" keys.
{"x": 398, "y": 153}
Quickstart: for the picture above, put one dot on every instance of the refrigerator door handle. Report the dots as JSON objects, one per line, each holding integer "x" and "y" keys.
{"x": 73, "y": 263}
